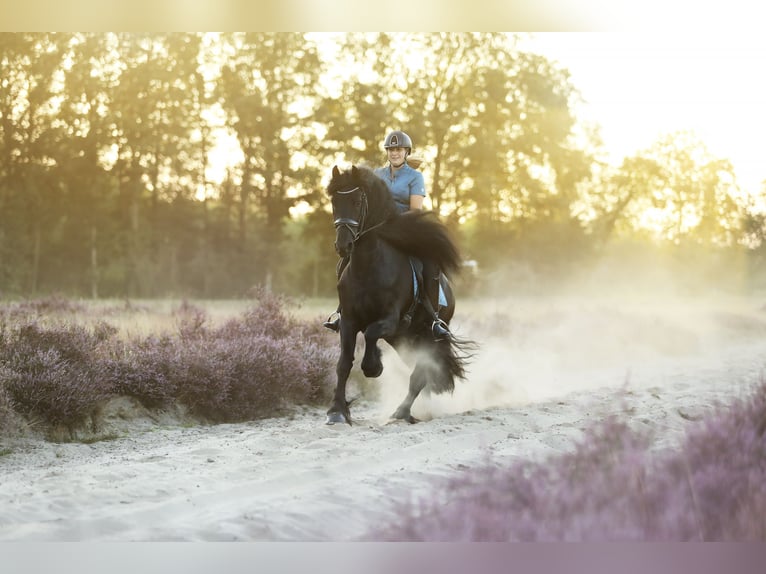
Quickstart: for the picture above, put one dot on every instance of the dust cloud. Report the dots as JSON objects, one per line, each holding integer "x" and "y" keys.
{"x": 630, "y": 325}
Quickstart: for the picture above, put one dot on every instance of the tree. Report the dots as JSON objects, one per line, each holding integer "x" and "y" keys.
{"x": 267, "y": 90}
{"x": 156, "y": 107}
{"x": 356, "y": 107}
{"x": 675, "y": 190}
{"x": 29, "y": 190}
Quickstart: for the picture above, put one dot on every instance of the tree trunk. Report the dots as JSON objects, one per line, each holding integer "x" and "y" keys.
{"x": 37, "y": 247}
{"x": 93, "y": 264}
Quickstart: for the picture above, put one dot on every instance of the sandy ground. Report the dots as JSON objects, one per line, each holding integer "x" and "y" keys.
{"x": 545, "y": 371}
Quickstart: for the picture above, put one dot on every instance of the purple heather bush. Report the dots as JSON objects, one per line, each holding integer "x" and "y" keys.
{"x": 232, "y": 379}
{"x": 142, "y": 369}
{"x": 250, "y": 367}
{"x": 10, "y": 420}
{"x": 54, "y": 304}
{"x": 611, "y": 487}
{"x": 51, "y": 374}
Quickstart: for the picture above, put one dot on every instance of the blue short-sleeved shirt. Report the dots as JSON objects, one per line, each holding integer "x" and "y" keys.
{"x": 406, "y": 182}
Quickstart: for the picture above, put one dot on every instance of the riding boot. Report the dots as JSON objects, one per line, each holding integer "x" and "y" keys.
{"x": 439, "y": 328}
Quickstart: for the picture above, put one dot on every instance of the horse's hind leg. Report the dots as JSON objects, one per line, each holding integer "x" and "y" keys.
{"x": 418, "y": 380}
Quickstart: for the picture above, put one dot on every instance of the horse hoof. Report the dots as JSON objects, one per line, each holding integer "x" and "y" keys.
{"x": 333, "y": 418}
{"x": 373, "y": 373}
{"x": 403, "y": 419}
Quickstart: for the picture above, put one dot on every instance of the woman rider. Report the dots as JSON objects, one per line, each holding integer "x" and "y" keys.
{"x": 409, "y": 190}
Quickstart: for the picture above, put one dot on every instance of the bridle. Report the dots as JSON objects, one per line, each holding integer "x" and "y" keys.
{"x": 355, "y": 227}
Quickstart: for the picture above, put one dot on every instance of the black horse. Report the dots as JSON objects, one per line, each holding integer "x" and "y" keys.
{"x": 379, "y": 293}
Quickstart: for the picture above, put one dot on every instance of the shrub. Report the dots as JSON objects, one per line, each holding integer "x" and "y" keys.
{"x": 51, "y": 374}
{"x": 10, "y": 422}
{"x": 53, "y": 304}
{"x": 191, "y": 321}
{"x": 250, "y": 367}
{"x": 611, "y": 487}
{"x": 724, "y": 461}
{"x": 142, "y": 369}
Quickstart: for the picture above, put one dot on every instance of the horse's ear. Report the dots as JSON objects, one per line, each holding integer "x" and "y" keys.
{"x": 335, "y": 171}
{"x": 354, "y": 171}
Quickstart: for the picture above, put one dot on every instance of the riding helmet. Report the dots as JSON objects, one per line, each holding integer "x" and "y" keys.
{"x": 398, "y": 138}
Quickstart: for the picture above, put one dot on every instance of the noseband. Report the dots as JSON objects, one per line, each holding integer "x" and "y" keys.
{"x": 354, "y": 226}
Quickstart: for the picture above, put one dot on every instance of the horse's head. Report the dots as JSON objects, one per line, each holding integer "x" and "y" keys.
{"x": 349, "y": 208}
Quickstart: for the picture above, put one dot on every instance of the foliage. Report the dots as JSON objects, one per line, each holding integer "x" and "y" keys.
{"x": 613, "y": 487}
{"x": 111, "y": 145}
{"x": 60, "y": 376}
{"x": 10, "y": 421}
{"x": 52, "y": 374}
{"x": 675, "y": 190}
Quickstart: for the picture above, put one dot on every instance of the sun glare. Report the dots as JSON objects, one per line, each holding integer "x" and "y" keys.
{"x": 639, "y": 87}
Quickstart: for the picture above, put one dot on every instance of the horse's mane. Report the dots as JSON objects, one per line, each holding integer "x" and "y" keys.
{"x": 422, "y": 235}
{"x": 416, "y": 233}
{"x": 381, "y": 205}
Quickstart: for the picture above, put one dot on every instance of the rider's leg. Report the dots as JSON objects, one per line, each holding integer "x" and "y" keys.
{"x": 333, "y": 321}
{"x": 431, "y": 275}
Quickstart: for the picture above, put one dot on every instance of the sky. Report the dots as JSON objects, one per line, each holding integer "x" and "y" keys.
{"x": 640, "y": 86}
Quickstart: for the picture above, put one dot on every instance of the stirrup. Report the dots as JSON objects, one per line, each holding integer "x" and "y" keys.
{"x": 333, "y": 324}
{"x": 440, "y": 330}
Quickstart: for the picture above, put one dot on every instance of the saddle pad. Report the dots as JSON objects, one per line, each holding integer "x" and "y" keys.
{"x": 442, "y": 296}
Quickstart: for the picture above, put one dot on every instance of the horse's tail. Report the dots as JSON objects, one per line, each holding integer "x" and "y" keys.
{"x": 421, "y": 234}
{"x": 452, "y": 356}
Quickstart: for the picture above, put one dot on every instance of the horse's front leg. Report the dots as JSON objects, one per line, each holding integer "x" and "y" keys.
{"x": 372, "y": 365}
{"x": 339, "y": 412}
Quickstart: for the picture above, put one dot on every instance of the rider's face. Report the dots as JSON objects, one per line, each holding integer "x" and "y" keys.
{"x": 396, "y": 155}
